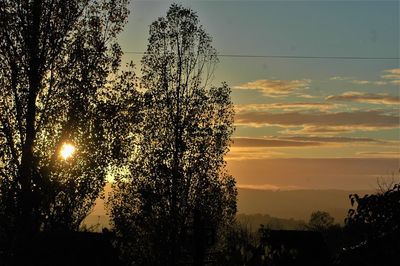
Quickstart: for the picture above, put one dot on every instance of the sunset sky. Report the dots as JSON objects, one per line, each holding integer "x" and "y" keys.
{"x": 301, "y": 123}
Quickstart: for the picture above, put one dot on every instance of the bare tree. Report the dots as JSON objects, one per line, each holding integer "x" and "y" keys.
{"x": 177, "y": 187}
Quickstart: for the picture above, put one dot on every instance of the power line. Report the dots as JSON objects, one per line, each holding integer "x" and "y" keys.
{"x": 293, "y": 56}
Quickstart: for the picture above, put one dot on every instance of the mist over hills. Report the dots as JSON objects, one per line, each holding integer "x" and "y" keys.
{"x": 295, "y": 204}
{"x": 253, "y": 221}
{"x": 285, "y": 209}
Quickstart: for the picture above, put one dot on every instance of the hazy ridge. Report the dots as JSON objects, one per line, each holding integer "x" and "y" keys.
{"x": 280, "y": 208}
{"x": 295, "y": 204}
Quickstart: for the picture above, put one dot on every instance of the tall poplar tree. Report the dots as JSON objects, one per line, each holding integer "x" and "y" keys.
{"x": 177, "y": 191}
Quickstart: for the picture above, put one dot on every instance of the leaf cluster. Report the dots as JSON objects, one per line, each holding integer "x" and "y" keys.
{"x": 377, "y": 214}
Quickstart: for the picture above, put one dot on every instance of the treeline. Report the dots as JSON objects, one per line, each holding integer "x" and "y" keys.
{"x": 253, "y": 222}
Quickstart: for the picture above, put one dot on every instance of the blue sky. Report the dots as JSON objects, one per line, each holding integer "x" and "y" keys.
{"x": 301, "y": 108}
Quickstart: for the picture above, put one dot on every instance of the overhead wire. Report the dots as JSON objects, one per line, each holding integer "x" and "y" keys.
{"x": 292, "y": 56}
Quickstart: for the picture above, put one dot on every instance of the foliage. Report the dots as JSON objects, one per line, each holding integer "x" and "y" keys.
{"x": 372, "y": 228}
{"x": 320, "y": 221}
{"x": 274, "y": 223}
{"x": 57, "y": 62}
{"x": 176, "y": 189}
{"x": 375, "y": 215}
{"x": 239, "y": 245}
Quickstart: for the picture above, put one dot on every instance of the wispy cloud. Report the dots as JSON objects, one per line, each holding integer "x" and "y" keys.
{"x": 277, "y": 88}
{"x": 382, "y": 154}
{"x": 267, "y": 187}
{"x": 353, "y": 80}
{"x": 254, "y": 146}
{"x": 334, "y": 139}
{"x": 251, "y": 153}
{"x": 357, "y": 120}
{"x": 323, "y": 130}
{"x": 341, "y": 78}
{"x": 297, "y": 141}
{"x": 393, "y": 75}
{"x": 288, "y": 106}
{"x": 374, "y": 98}
{"x": 361, "y": 82}
{"x": 314, "y": 173}
{"x": 271, "y": 142}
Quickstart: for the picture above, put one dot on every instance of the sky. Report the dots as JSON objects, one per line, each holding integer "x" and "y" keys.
{"x": 301, "y": 123}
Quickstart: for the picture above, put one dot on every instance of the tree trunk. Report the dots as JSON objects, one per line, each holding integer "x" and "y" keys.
{"x": 29, "y": 218}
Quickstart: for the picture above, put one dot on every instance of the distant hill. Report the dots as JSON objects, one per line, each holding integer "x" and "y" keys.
{"x": 295, "y": 204}
{"x": 285, "y": 205}
{"x": 253, "y": 222}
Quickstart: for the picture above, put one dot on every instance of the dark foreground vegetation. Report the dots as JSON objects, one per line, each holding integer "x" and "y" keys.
{"x": 71, "y": 117}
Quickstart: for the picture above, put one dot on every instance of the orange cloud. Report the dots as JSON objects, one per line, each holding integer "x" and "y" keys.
{"x": 297, "y": 141}
{"x": 290, "y": 106}
{"x": 360, "y": 82}
{"x": 357, "y": 120}
{"x": 276, "y": 88}
{"x": 383, "y": 154}
{"x": 249, "y": 153}
{"x": 268, "y": 187}
{"x": 336, "y": 173}
{"x": 334, "y": 139}
{"x": 262, "y": 142}
{"x": 374, "y": 98}
{"x": 340, "y": 78}
{"x": 392, "y": 74}
{"x": 322, "y": 130}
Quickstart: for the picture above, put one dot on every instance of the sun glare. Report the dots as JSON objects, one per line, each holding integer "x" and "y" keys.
{"x": 67, "y": 150}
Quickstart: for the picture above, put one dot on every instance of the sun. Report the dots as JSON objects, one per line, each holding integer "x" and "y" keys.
{"x": 67, "y": 150}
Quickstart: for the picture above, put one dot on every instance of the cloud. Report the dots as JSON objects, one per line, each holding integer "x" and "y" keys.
{"x": 276, "y": 88}
{"x": 267, "y": 187}
{"x": 357, "y": 120}
{"x": 297, "y": 141}
{"x": 374, "y": 98}
{"x": 314, "y": 173}
{"x": 335, "y": 139}
{"x": 340, "y": 78}
{"x": 321, "y": 130}
{"x": 263, "y": 142}
{"x": 360, "y": 82}
{"x": 391, "y": 74}
{"x": 383, "y": 154}
{"x": 307, "y": 96}
{"x": 289, "y": 106}
{"x": 251, "y": 153}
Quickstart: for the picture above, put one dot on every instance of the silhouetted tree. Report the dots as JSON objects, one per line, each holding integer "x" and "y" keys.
{"x": 320, "y": 221}
{"x": 373, "y": 228}
{"x": 239, "y": 245}
{"x": 377, "y": 214}
{"x": 56, "y": 61}
{"x": 177, "y": 185}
